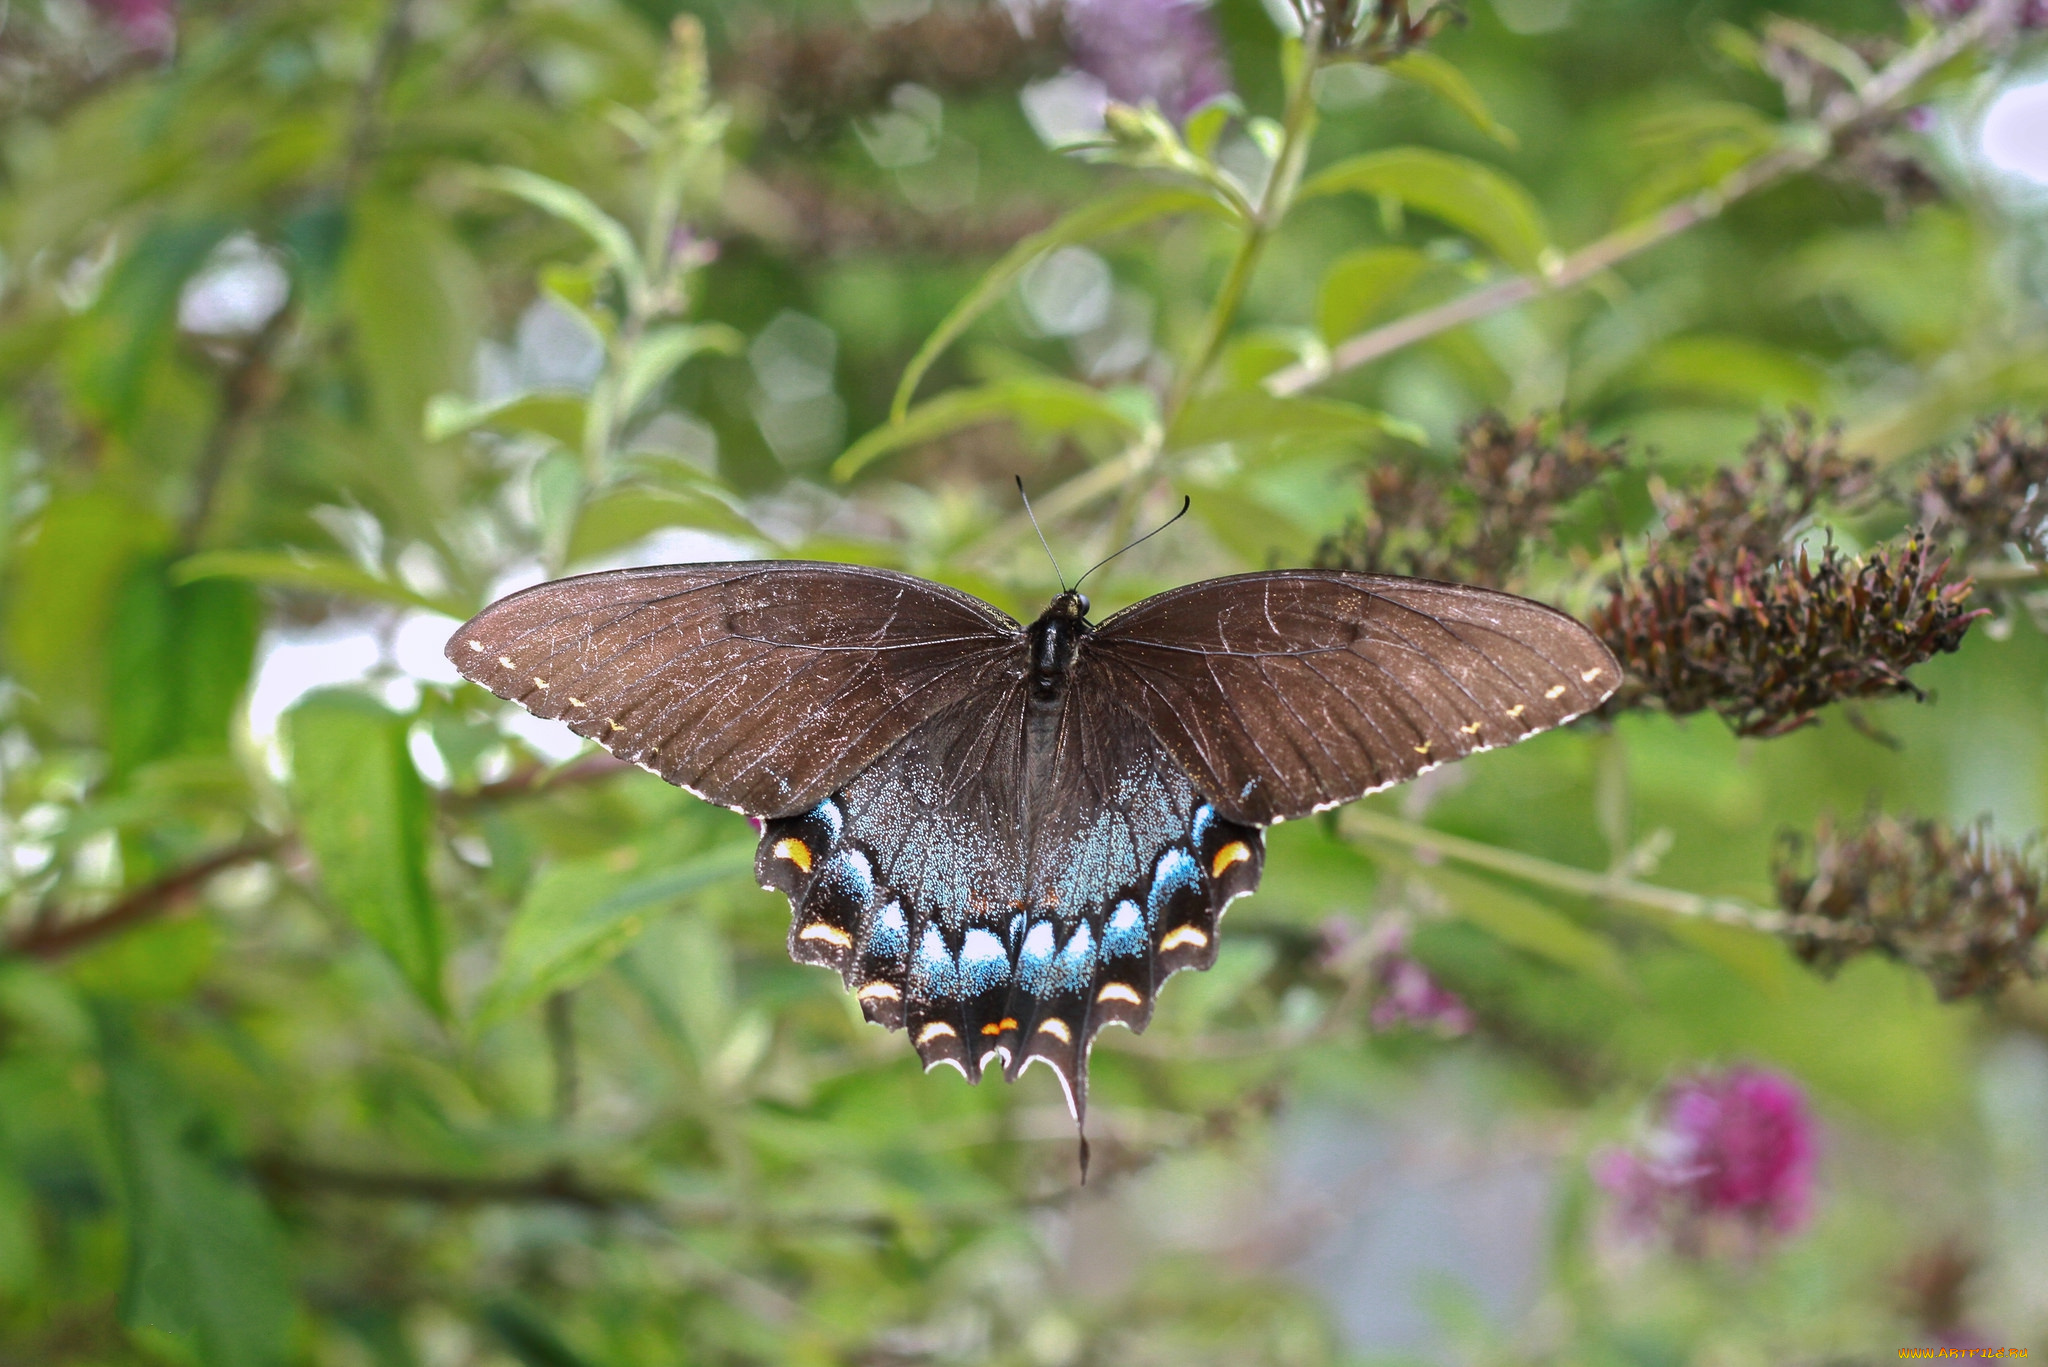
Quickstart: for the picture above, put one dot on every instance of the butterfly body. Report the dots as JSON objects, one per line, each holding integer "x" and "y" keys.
{"x": 1002, "y": 837}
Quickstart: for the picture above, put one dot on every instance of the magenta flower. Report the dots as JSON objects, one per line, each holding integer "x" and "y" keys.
{"x": 1406, "y": 994}
{"x": 1161, "y": 51}
{"x": 1735, "y": 1146}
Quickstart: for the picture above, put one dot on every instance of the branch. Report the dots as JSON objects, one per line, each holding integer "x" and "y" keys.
{"x": 538, "y": 778}
{"x": 1850, "y": 111}
{"x": 1606, "y": 887}
{"x": 281, "y": 1174}
{"x": 246, "y": 390}
{"x": 53, "y": 938}
{"x": 146, "y": 903}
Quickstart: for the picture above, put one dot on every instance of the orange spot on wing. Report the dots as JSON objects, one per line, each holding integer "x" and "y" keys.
{"x": 795, "y": 851}
{"x": 1236, "y": 852}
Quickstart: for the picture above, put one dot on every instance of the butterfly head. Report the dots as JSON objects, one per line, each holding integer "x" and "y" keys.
{"x": 1069, "y": 606}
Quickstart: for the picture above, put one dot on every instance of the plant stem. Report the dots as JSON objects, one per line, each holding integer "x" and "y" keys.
{"x": 1128, "y": 470}
{"x": 1365, "y": 824}
{"x": 1877, "y": 96}
{"x": 1273, "y": 204}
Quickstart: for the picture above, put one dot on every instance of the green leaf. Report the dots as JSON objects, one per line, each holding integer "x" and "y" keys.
{"x": 61, "y": 596}
{"x": 578, "y": 210}
{"x": 205, "y": 1265}
{"x": 1529, "y": 925}
{"x": 412, "y": 301}
{"x": 1733, "y": 370}
{"x": 322, "y": 573}
{"x": 625, "y": 515}
{"x": 365, "y": 819}
{"x": 1257, "y": 418}
{"x": 179, "y": 657}
{"x": 1473, "y": 198}
{"x": 1362, "y": 287}
{"x": 662, "y": 351}
{"x": 580, "y": 914}
{"x": 1040, "y": 403}
{"x": 1206, "y": 124}
{"x": 556, "y": 416}
{"x": 1438, "y": 76}
{"x": 1113, "y": 214}
{"x": 133, "y": 323}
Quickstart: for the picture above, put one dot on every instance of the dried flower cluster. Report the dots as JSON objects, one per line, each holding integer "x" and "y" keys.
{"x": 1991, "y": 491}
{"x": 1734, "y": 1148}
{"x": 816, "y": 76}
{"x": 1787, "y": 473}
{"x": 1956, "y": 905}
{"x": 1473, "y": 523}
{"x": 1815, "y": 70}
{"x": 1723, "y": 618}
{"x": 1767, "y": 643}
{"x": 1376, "y": 30}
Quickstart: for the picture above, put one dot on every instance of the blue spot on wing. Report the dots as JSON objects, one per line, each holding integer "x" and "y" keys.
{"x": 850, "y": 874}
{"x": 888, "y": 934}
{"x": 983, "y": 963}
{"x": 1176, "y": 870}
{"x": 1034, "y": 961}
{"x": 1125, "y": 933}
{"x": 828, "y": 814}
{"x": 1075, "y": 969}
{"x": 1204, "y": 814}
{"x": 932, "y": 972}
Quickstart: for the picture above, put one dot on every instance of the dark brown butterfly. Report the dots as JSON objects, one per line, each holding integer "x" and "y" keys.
{"x": 1004, "y": 837}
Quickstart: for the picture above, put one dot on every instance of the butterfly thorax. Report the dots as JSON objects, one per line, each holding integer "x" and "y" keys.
{"x": 1055, "y": 636}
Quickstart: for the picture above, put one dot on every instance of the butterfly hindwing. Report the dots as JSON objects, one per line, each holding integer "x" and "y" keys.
{"x": 961, "y": 901}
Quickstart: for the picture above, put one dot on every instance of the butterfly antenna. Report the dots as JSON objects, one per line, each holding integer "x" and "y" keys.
{"x": 1185, "y": 504}
{"x": 1041, "y": 534}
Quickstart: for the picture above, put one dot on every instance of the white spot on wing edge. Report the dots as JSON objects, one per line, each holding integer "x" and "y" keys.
{"x": 937, "y": 1030}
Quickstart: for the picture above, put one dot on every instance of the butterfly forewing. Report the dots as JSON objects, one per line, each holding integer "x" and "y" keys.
{"x": 1287, "y": 692}
{"x": 762, "y": 686}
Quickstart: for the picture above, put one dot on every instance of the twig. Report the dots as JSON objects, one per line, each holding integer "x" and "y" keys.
{"x": 1370, "y": 825}
{"x": 537, "y": 778}
{"x": 54, "y": 940}
{"x": 561, "y": 1025}
{"x": 283, "y": 1174}
{"x": 392, "y": 43}
{"x": 246, "y": 389}
{"x": 1848, "y": 112}
{"x": 50, "y": 937}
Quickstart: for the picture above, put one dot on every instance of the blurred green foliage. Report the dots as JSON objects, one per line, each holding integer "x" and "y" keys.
{"x": 386, "y": 1032}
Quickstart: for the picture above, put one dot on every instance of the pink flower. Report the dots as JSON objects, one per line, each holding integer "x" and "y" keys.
{"x": 1161, "y": 51}
{"x": 1736, "y": 1145}
{"x": 1406, "y": 994}
{"x": 148, "y": 25}
{"x": 2030, "y": 13}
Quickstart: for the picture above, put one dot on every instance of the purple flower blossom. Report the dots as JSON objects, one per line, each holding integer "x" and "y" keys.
{"x": 1405, "y": 993}
{"x": 2030, "y": 13}
{"x": 1162, "y": 51}
{"x": 1736, "y": 1145}
{"x": 148, "y": 25}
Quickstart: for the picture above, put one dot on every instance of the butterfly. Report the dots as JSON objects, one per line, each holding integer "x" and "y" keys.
{"x": 1005, "y": 837}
